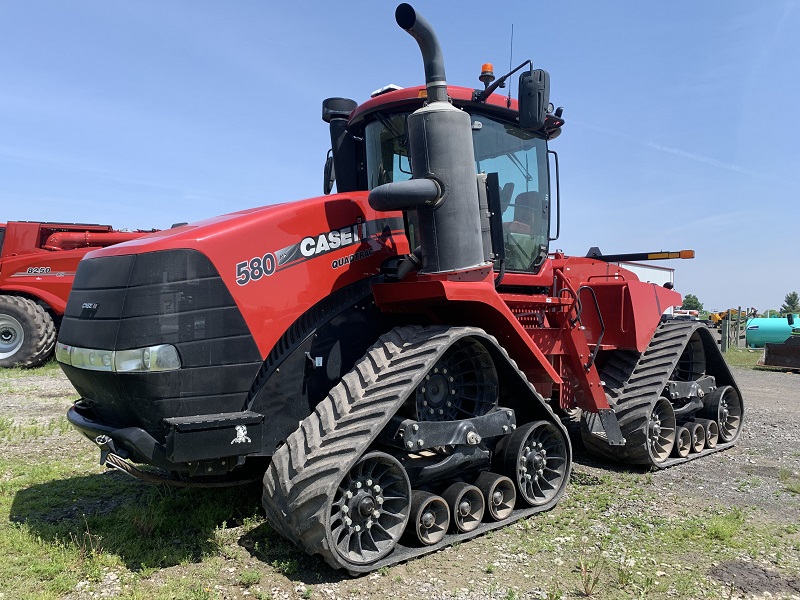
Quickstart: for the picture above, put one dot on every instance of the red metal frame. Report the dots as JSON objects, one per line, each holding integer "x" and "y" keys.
{"x": 38, "y": 260}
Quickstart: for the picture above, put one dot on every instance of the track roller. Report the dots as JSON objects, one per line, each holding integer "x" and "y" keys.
{"x": 683, "y": 442}
{"x": 430, "y": 518}
{"x": 712, "y": 431}
{"x": 466, "y": 505}
{"x": 535, "y": 458}
{"x": 725, "y": 407}
{"x": 698, "y": 433}
{"x": 499, "y": 493}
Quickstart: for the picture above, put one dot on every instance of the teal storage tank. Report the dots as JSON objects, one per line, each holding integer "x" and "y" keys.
{"x": 761, "y": 331}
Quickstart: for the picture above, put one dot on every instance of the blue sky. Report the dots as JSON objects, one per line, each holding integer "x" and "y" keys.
{"x": 683, "y": 127}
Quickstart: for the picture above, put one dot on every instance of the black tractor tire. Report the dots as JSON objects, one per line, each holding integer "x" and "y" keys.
{"x": 27, "y": 333}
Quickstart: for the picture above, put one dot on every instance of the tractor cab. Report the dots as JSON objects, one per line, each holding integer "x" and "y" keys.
{"x": 374, "y": 147}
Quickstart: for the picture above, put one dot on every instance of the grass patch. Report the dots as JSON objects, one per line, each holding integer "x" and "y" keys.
{"x": 790, "y": 481}
{"x": 61, "y": 525}
{"x": 621, "y": 549}
{"x": 34, "y": 429}
{"x": 50, "y": 368}
{"x": 743, "y": 357}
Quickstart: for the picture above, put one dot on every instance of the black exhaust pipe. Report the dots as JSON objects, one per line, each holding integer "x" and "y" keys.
{"x": 443, "y": 191}
{"x": 432, "y": 59}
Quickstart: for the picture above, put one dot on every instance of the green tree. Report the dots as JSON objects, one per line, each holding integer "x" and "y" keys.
{"x": 791, "y": 304}
{"x": 690, "y": 302}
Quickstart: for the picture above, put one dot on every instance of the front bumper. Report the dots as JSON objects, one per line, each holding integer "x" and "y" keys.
{"x": 191, "y": 443}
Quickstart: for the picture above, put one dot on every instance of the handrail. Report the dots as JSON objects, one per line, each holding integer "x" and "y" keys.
{"x": 592, "y": 358}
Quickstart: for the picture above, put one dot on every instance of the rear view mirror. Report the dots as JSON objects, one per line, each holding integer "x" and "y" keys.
{"x": 534, "y": 98}
{"x": 329, "y": 174}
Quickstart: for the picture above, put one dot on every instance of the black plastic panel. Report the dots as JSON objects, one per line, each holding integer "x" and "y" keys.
{"x": 173, "y": 297}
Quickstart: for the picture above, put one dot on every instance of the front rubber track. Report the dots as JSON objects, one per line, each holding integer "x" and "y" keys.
{"x": 301, "y": 480}
{"x": 634, "y": 382}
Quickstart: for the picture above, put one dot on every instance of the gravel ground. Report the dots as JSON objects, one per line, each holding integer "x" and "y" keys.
{"x": 769, "y": 446}
{"x": 751, "y": 476}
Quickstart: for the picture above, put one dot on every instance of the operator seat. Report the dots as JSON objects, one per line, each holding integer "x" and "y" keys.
{"x": 524, "y": 212}
{"x": 520, "y": 247}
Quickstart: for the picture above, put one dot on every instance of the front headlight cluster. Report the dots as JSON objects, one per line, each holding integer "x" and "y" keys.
{"x": 163, "y": 357}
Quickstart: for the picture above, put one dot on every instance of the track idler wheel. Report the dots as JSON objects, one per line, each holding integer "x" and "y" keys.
{"x": 536, "y": 459}
{"x": 370, "y": 509}
{"x": 661, "y": 430}
{"x": 462, "y": 384}
{"x": 430, "y": 518}
{"x": 499, "y": 494}
{"x": 725, "y": 407}
{"x": 683, "y": 442}
{"x": 712, "y": 431}
{"x": 466, "y": 505}
{"x": 698, "y": 433}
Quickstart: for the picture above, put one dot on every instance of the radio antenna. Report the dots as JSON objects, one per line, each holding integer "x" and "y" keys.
{"x": 510, "y": 62}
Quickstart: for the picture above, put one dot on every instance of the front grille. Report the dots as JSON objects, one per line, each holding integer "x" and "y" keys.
{"x": 168, "y": 297}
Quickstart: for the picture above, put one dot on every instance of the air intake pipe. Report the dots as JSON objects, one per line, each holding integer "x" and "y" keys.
{"x": 443, "y": 190}
{"x": 71, "y": 240}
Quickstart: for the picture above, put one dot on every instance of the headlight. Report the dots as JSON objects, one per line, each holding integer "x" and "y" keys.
{"x": 150, "y": 359}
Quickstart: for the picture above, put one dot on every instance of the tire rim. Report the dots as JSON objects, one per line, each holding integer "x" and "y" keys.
{"x": 661, "y": 430}
{"x": 12, "y": 336}
{"x": 729, "y": 411}
{"x": 431, "y": 518}
{"x": 499, "y": 495}
{"x": 462, "y": 384}
{"x": 691, "y": 365}
{"x": 370, "y": 509}
{"x": 698, "y": 437}
{"x": 539, "y": 454}
{"x": 683, "y": 442}
{"x": 466, "y": 506}
{"x": 712, "y": 433}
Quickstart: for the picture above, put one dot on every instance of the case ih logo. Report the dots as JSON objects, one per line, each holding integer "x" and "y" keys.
{"x": 331, "y": 240}
{"x": 90, "y": 305}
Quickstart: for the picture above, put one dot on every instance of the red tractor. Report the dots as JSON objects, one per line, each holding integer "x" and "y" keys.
{"x": 395, "y": 360}
{"x": 37, "y": 267}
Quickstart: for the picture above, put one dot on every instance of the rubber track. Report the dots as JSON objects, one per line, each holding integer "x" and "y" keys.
{"x": 44, "y": 331}
{"x": 633, "y": 387}
{"x": 305, "y": 472}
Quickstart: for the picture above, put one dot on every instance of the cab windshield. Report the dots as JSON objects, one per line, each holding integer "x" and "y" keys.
{"x": 518, "y": 158}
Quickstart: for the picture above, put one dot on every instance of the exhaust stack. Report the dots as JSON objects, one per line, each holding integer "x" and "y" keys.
{"x": 443, "y": 190}
{"x": 432, "y": 58}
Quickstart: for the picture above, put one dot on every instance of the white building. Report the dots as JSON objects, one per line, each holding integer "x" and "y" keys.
{"x": 651, "y": 273}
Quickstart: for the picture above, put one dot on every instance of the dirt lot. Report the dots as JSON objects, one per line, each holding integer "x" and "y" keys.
{"x": 526, "y": 560}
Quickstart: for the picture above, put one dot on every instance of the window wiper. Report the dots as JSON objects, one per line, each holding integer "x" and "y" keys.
{"x": 522, "y": 168}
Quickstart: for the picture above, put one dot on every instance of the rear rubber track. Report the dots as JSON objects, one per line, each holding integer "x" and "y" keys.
{"x": 305, "y": 472}
{"x": 632, "y": 386}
